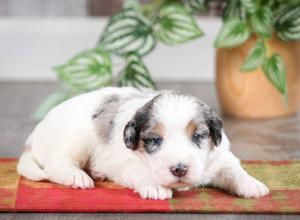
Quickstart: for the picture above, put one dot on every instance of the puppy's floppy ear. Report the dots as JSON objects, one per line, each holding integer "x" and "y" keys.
{"x": 131, "y": 135}
{"x": 140, "y": 121}
{"x": 214, "y": 124}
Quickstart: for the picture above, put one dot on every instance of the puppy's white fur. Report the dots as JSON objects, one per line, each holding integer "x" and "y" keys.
{"x": 70, "y": 140}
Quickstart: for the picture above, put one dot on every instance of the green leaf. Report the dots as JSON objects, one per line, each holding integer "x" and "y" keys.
{"x": 233, "y": 33}
{"x": 274, "y": 69}
{"x": 176, "y": 25}
{"x": 287, "y": 24}
{"x": 255, "y": 57}
{"x": 232, "y": 9}
{"x": 261, "y": 22}
{"x": 50, "y": 102}
{"x": 127, "y": 32}
{"x": 87, "y": 71}
{"x": 135, "y": 74}
{"x": 249, "y": 5}
{"x": 194, "y": 5}
{"x": 132, "y": 4}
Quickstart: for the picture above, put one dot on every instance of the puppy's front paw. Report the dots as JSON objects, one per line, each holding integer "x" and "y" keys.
{"x": 155, "y": 192}
{"x": 81, "y": 180}
{"x": 69, "y": 175}
{"x": 249, "y": 187}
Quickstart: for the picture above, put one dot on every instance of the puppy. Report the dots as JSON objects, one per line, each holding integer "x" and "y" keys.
{"x": 142, "y": 139}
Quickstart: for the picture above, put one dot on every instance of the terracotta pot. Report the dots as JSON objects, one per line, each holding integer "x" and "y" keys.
{"x": 250, "y": 94}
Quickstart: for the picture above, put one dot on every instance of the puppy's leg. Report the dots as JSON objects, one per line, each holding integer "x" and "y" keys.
{"x": 224, "y": 171}
{"x": 68, "y": 173}
{"x": 137, "y": 176}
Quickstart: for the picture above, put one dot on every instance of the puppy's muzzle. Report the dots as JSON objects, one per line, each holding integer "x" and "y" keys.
{"x": 179, "y": 170}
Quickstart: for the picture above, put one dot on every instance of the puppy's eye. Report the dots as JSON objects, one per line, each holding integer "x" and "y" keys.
{"x": 153, "y": 141}
{"x": 196, "y": 138}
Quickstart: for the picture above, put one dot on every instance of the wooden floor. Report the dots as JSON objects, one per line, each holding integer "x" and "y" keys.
{"x": 251, "y": 140}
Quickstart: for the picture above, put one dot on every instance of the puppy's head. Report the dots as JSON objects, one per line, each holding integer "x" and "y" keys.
{"x": 174, "y": 134}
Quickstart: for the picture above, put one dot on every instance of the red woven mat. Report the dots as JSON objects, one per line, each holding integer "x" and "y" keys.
{"x": 282, "y": 177}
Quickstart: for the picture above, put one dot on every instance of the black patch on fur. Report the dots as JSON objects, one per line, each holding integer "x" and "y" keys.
{"x": 139, "y": 123}
{"x": 214, "y": 124}
{"x": 105, "y": 115}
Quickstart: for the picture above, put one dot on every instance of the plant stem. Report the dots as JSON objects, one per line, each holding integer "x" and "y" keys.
{"x": 268, "y": 48}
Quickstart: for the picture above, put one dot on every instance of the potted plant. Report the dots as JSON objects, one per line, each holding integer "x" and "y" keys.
{"x": 135, "y": 30}
{"x": 257, "y": 65}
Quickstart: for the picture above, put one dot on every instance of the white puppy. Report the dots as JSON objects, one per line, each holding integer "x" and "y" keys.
{"x": 142, "y": 139}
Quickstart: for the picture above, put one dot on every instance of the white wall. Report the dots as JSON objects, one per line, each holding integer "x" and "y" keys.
{"x": 30, "y": 47}
{"x": 48, "y": 8}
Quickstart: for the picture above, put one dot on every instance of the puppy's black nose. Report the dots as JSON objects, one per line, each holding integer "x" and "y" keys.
{"x": 179, "y": 170}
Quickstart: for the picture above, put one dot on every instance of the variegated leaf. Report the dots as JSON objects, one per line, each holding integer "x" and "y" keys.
{"x": 261, "y": 22}
{"x": 233, "y": 33}
{"x": 135, "y": 73}
{"x": 127, "y": 32}
{"x": 255, "y": 57}
{"x": 132, "y": 4}
{"x": 274, "y": 69}
{"x": 176, "y": 25}
{"x": 194, "y": 5}
{"x": 232, "y": 9}
{"x": 288, "y": 24}
{"x": 87, "y": 71}
{"x": 249, "y": 5}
